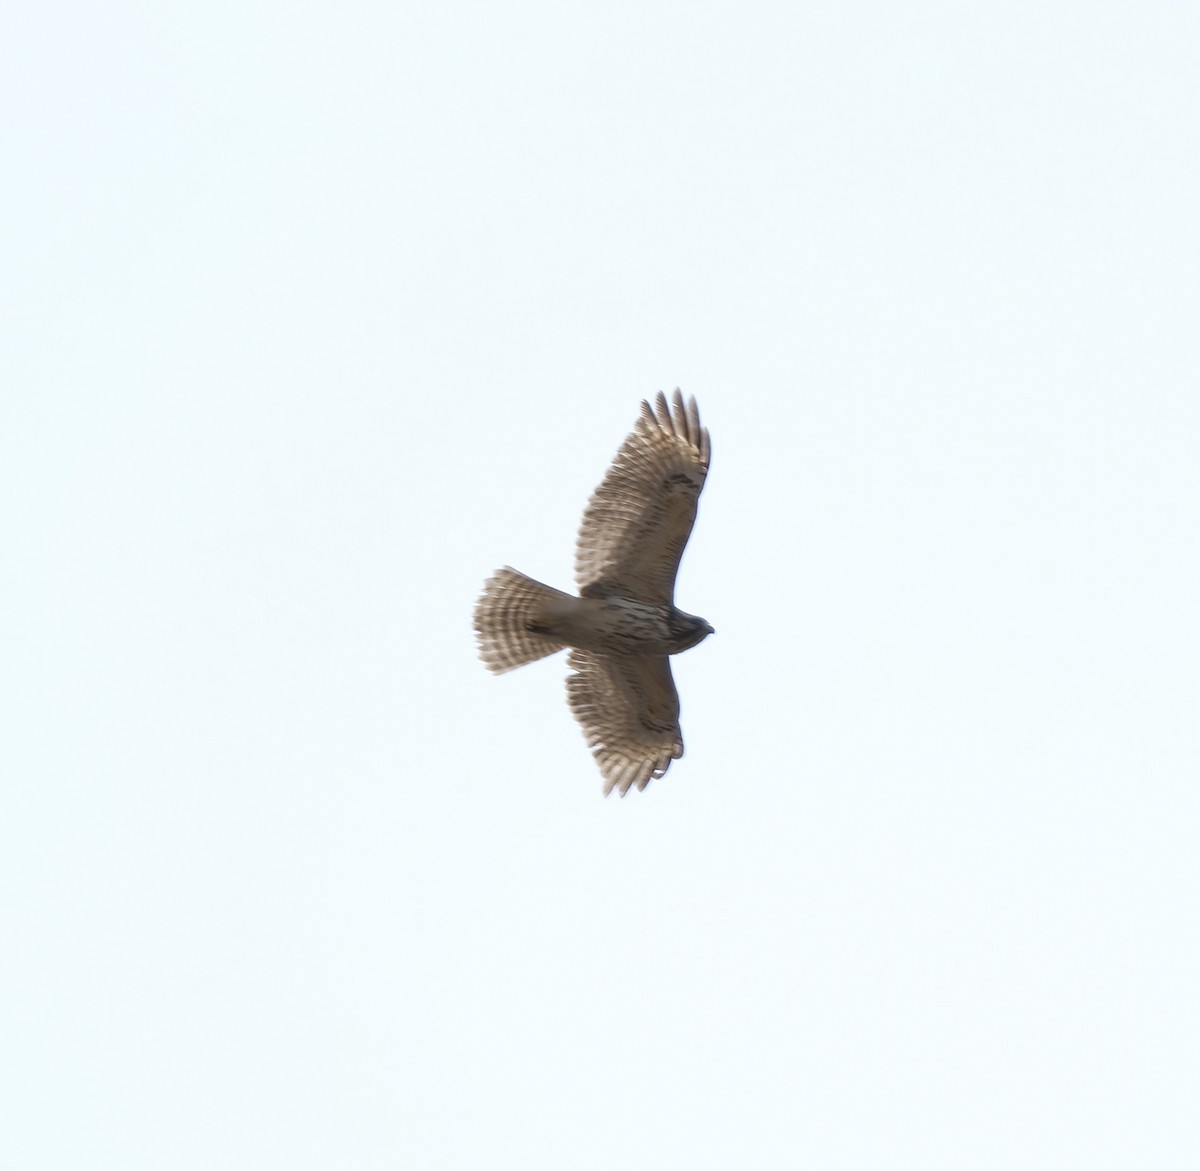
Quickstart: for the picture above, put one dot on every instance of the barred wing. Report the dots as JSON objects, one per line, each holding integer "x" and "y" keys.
{"x": 638, "y": 521}
{"x": 629, "y": 711}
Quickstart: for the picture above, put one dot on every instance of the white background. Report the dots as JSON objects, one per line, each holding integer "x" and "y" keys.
{"x": 314, "y": 314}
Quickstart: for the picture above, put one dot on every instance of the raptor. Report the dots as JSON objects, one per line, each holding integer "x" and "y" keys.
{"x": 624, "y": 625}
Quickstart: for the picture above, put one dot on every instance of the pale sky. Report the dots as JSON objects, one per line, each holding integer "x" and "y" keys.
{"x": 315, "y": 314}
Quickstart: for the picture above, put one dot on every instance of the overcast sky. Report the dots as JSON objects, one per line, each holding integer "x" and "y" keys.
{"x": 312, "y": 315}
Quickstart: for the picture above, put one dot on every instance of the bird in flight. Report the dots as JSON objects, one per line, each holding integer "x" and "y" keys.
{"x": 624, "y": 624}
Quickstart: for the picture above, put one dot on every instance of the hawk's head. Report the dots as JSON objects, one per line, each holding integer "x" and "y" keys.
{"x": 686, "y": 630}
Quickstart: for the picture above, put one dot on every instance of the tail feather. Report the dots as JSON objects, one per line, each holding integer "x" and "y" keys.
{"x": 507, "y": 614}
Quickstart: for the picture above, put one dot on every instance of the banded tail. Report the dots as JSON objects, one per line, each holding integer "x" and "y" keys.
{"x": 507, "y": 617}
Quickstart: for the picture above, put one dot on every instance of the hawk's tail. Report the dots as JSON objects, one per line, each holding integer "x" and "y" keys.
{"x": 507, "y": 620}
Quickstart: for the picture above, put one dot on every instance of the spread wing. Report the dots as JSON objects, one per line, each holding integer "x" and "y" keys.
{"x": 629, "y": 711}
{"x": 638, "y": 521}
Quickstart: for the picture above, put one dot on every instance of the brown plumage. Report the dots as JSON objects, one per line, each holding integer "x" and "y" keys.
{"x": 624, "y": 625}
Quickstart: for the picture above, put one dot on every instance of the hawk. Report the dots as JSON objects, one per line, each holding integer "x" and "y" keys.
{"x": 624, "y": 624}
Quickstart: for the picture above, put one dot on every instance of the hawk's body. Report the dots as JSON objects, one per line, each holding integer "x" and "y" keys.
{"x": 625, "y": 623}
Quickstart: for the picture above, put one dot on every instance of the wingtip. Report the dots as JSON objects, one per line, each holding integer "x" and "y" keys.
{"x": 677, "y": 416}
